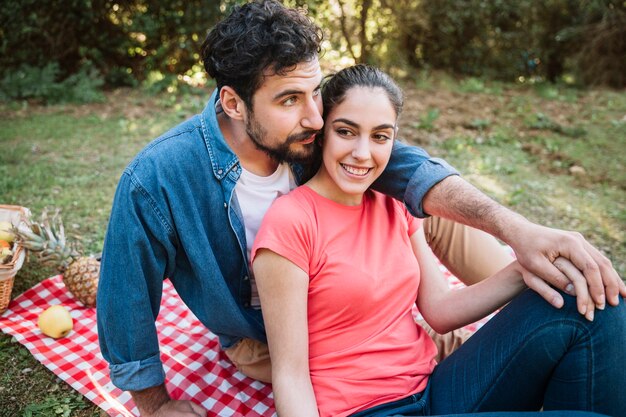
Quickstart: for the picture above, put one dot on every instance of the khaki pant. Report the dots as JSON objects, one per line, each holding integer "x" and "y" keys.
{"x": 470, "y": 254}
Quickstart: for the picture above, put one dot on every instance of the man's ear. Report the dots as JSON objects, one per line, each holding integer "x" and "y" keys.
{"x": 232, "y": 104}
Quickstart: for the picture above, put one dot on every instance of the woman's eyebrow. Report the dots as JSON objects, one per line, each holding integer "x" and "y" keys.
{"x": 354, "y": 124}
{"x": 346, "y": 121}
{"x": 385, "y": 126}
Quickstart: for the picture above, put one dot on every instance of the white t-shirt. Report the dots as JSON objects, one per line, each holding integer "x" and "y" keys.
{"x": 255, "y": 195}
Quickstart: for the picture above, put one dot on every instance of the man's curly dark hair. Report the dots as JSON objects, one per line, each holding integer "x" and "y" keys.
{"x": 257, "y": 36}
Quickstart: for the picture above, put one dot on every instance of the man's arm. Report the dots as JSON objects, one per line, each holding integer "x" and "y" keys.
{"x": 136, "y": 251}
{"x": 536, "y": 246}
{"x": 429, "y": 186}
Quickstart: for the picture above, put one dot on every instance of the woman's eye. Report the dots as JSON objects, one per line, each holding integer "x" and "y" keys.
{"x": 344, "y": 132}
{"x": 381, "y": 138}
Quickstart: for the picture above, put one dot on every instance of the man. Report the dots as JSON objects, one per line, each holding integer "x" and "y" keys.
{"x": 187, "y": 206}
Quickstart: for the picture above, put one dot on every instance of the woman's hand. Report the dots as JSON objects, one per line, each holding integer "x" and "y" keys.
{"x": 538, "y": 248}
{"x": 577, "y": 285}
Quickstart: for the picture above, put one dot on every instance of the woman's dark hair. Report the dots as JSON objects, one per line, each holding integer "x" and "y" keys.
{"x": 257, "y": 36}
{"x": 337, "y": 85}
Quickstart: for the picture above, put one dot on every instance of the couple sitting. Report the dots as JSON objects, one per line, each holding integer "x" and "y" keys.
{"x": 346, "y": 265}
{"x": 339, "y": 268}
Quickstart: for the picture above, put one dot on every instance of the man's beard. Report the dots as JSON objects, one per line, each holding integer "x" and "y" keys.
{"x": 281, "y": 152}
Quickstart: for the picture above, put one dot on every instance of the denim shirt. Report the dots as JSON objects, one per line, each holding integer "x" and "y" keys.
{"x": 175, "y": 215}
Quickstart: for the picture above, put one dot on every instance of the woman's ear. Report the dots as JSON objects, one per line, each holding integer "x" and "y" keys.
{"x": 232, "y": 104}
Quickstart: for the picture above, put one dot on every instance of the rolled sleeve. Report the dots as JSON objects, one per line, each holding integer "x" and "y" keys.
{"x": 138, "y": 375}
{"x": 427, "y": 175}
{"x": 410, "y": 174}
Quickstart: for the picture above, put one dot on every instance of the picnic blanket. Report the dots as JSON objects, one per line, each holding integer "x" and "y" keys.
{"x": 195, "y": 367}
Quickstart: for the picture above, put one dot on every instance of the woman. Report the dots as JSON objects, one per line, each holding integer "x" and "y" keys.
{"x": 339, "y": 268}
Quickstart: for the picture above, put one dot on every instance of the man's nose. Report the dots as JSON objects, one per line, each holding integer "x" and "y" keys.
{"x": 312, "y": 118}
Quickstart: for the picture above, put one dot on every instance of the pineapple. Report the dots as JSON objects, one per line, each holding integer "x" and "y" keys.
{"x": 47, "y": 240}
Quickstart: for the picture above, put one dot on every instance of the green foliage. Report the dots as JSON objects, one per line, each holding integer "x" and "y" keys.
{"x": 29, "y": 82}
{"x": 522, "y": 40}
{"x": 540, "y": 121}
{"x": 479, "y": 124}
{"x": 54, "y": 407}
{"x": 601, "y": 57}
{"x": 123, "y": 41}
{"x": 555, "y": 92}
{"x": 427, "y": 121}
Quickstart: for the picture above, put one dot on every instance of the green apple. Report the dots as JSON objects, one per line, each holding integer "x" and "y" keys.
{"x": 55, "y": 322}
{"x": 6, "y": 232}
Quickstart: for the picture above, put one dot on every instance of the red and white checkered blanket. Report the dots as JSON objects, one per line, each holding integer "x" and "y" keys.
{"x": 195, "y": 367}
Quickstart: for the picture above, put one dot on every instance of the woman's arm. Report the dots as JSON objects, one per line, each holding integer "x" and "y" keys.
{"x": 445, "y": 309}
{"x": 283, "y": 289}
{"x": 469, "y": 304}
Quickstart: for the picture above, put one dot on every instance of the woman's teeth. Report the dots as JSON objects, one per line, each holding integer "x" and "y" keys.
{"x": 355, "y": 170}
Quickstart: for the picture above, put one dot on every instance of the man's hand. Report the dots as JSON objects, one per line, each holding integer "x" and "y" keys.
{"x": 156, "y": 402}
{"x": 538, "y": 247}
{"x": 535, "y": 246}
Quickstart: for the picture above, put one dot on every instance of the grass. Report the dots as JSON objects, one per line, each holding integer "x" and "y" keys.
{"x": 552, "y": 153}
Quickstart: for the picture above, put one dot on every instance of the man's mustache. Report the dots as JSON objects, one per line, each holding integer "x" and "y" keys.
{"x": 302, "y": 136}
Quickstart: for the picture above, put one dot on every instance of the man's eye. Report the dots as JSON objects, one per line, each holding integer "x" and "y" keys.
{"x": 317, "y": 92}
{"x": 290, "y": 101}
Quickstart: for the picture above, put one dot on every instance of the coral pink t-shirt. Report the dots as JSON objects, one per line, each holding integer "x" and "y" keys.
{"x": 365, "y": 348}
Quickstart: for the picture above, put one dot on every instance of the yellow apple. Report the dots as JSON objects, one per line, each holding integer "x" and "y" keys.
{"x": 6, "y": 232}
{"x": 55, "y": 322}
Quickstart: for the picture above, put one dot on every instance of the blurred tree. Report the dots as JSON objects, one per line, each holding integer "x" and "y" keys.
{"x": 123, "y": 39}
{"x": 127, "y": 40}
{"x": 601, "y": 58}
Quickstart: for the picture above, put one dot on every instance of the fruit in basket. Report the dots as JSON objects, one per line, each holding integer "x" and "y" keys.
{"x": 6, "y": 232}
{"x": 47, "y": 239}
{"x": 55, "y": 322}
{"x": 6, "y": 255}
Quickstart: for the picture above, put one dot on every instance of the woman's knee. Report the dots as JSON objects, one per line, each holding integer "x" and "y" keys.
{"x": 612, "y": 320}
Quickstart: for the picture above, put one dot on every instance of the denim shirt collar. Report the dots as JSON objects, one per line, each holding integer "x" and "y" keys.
{"x": 223, "y": 159}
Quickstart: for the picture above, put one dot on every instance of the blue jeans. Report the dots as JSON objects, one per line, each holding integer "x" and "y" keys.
{"x": 529, "y": 355}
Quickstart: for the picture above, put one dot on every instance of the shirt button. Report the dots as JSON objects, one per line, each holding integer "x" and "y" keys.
{"x": 219, "y": 171}
{"x": 246, "y": 278}
{"x": 225, "y": 205}
{"x": 246, "y": 305}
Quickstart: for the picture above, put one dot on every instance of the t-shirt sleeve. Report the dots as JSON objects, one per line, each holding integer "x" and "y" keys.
{"x": 413, "y": 222}
{"x": 285, "y": 230}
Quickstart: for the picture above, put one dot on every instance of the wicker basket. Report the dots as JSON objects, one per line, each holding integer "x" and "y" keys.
{"x": 15, "y": 215}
